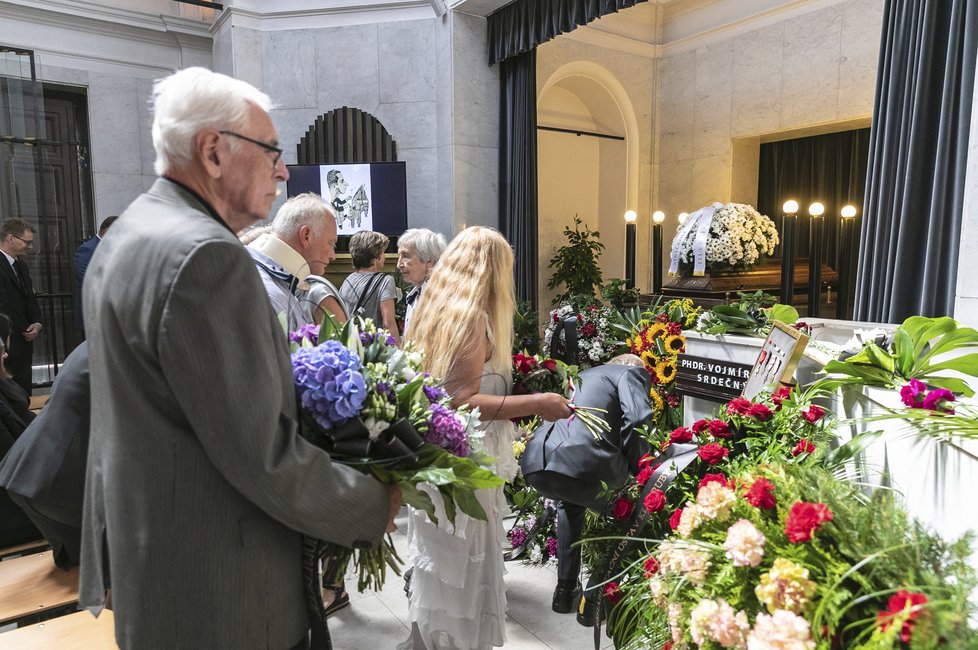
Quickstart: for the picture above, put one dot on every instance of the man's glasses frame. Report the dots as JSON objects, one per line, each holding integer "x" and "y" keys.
{"x": 29, "y": 242}
{"x": 264, "y": 145}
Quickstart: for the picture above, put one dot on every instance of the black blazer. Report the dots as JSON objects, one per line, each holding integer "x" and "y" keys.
{"x": 17, "y": 299}
{"x": 564, "y": 461}
{"x": 47, "y": 462}
{"x": 15, "y": 526}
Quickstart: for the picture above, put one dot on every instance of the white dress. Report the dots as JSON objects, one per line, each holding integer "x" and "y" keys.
{"x": 458, "y": 598}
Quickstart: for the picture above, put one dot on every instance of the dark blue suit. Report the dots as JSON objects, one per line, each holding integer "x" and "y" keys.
{"x": 82, "y": 257}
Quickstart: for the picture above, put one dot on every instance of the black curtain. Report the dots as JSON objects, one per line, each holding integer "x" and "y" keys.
{"x": 917, "y": 162}
{"x": 828, "y": 168}
{"x": 522, "y": 25}
{"x": 518, "y": 166}
{"x": 515, "y": 30}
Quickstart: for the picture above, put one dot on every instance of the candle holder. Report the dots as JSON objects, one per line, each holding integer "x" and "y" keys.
{"x": 657, "y": 218}
{"x": 815, "y": 225}
{"x": 790, "y": 210}
{"x": 630, "y": 218}
{"x": 847, "y": 227}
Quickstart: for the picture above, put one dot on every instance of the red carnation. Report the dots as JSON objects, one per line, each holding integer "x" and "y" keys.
{"x": 700, "y": 426}
{"x": 643, "y": 476}
{"x": 622, "y": 509}
{"x": 804, "y": 519}
{"x": 680, "y": 435}
{"x": 549, "y": 364}
{"x": 714, "y": 478}
{"x": 760, "y": 411}
{"x": 612, "y": 593}
{"x": 813, "y": 413}
{"x": 712, "y": 453}
{"x": 524, "y": 363}
{"x": 589, "y": 329}
{"x": 673, "y": 400}
{"x": 719, "y": 429}
{"x": 651, "y": 566}
{"x": 655, "y": 501}
{"x": 677, "y": 514}
{"x": 739, "y": 405}
{"x": 675, "y": 328}
{"x": 667, "y": 645}
{"x": 898, "y": 604}
{"x": 803, "y": 447}
{"x": 760, "y": 495}
{"x": 780, "y": 395}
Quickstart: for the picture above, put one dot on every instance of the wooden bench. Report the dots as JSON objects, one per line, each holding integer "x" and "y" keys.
{"x": 29, "y": 548}
{"x": 78, "y": 631}
{"x": 31, "y": 585}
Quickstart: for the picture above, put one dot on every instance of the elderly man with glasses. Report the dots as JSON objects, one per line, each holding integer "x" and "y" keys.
{"x": 198, "y": 484}
{"x": 17, "y": 299}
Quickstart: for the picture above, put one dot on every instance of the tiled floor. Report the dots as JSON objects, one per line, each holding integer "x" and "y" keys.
{"x": 379, "y": 620}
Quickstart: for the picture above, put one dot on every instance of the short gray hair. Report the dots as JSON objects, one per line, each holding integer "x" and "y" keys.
{"x": 194, "y": 99}
{"x": 427, "y": 244}
{"x": 308, "y": 209}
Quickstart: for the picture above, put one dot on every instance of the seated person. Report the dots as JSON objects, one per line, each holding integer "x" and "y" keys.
{"x": 44, "y": 472}
{"x": 563, "y": 461}
{"x": 15, "y": 526}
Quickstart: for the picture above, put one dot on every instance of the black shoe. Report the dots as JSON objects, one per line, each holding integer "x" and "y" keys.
{"x": 566, "y": 596}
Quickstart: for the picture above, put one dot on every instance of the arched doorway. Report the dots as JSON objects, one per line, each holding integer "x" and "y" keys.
{"x": 587, "y": 165}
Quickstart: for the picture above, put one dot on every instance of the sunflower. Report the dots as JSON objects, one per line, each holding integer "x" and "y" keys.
{"x": 666, "y": 371}
{"x": 649, "y": 360}
{"x": 637, "y": 343}
{"x": 675, "y": 343}
{"x": 655, "y": 331}
{"x": 657, "y": 403}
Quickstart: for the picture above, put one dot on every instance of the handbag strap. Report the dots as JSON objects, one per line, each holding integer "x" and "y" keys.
{"x": 367, "y": 292}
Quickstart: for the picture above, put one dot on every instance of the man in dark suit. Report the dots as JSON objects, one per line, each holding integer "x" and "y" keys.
{"x": 564, "y": 461}
{"x": 82, "y": 257}
{"x": 17, "y": 299}
{"x": 199, "y": 486}
{"x": 44, "y": 471}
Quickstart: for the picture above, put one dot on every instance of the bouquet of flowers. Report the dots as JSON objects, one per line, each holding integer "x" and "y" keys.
{"x": 658, "y": 339}
{"x": 787, "y": 556}
{"x": 597, "y": 339}
{"x": 370, "y": 405}
{"x": 537, "y": 374}
{"x": 738, "y": 237}
{"x": 533, "y": 537}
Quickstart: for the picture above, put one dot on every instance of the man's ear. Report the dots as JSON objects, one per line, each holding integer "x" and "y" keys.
{"x": 305, "y": 234}
{"x": 208, "y": 151}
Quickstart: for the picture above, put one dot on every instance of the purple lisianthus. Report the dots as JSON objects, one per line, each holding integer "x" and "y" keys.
{"x": 366, "y": 338}
{"x": 310, "y": 332}
{"x": 330, "y": 385}
{"x": 551, "y": 547}
{"x": 434, "y": 393}
{"x": 517, "y": 536}
{"x": 446, "y": 431}
{"x": 912, "y": 391}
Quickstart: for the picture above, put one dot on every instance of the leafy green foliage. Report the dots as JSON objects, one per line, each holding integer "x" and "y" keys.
{"x": 575, "y": 264}
{"x": 922, "y": 348}
{"x": 526, "y": 328}
{"x": 752, "y": 315}
{"x": 615, "y": 294}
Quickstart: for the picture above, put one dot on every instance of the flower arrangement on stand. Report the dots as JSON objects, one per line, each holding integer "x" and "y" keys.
{"x": 370, "y": 405}
{"x": 738, "y": 237}
{"x": 597, "y": 337}
{"x": 657, "y": 338}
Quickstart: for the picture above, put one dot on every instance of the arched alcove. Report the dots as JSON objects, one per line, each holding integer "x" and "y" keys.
{"x": 591, "y": 176}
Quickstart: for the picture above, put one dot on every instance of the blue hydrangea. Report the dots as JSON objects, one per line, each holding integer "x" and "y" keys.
{"x": 329, "y": 382}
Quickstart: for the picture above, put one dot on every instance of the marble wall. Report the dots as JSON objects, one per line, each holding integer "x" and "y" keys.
{"x": 425, "y": 80}
{"x": 811, "y": 73}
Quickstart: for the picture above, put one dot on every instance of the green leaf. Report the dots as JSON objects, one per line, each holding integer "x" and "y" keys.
{"x": 784, "y": 313}
{"x": 903, "y": 350}
{"x": 467, "y": 503}
{"x": 435, "y": 475}
{"x": 966, "y": 364}
{"x": 953, "y": 384}
{"x": 412, "y": 496}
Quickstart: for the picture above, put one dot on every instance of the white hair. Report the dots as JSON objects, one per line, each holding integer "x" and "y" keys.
{"x": 194, "y": 99}
{"x": 427, "y": 244}
{"x": 308, "y": 209}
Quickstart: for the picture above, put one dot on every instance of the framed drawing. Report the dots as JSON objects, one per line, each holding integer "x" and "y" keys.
{"x": 777, "y": 360}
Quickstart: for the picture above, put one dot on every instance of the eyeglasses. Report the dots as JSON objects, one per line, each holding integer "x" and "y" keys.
{"x": 264, "y": 145}
{"x": 29, "y": 242}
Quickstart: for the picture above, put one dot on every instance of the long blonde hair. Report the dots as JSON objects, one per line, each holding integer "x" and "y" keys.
{"x": 470, "y": 289}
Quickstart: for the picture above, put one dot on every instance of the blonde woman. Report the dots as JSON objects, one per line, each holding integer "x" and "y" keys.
{"x": 465, "y": 328}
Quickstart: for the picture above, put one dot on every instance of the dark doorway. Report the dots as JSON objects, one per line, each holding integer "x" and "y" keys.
{"x": 46, "y": 180}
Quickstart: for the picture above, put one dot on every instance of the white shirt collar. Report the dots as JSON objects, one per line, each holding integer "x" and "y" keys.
{"x": 10, "y": 259}
{"x": 285, "y": 255}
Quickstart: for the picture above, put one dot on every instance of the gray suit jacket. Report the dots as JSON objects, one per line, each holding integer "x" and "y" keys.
{"x": 563, "y": 460}
{"x": 198, "y": 480}
{"x": 47, "y": 463}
